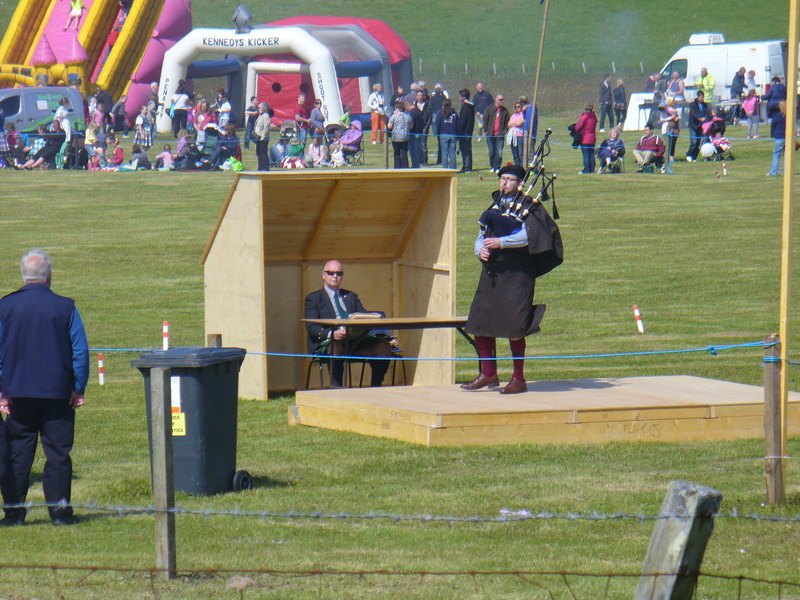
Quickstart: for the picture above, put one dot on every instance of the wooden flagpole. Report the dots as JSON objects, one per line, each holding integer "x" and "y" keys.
{"x": 536, "y": 79}
{"x": 786, "y": 233}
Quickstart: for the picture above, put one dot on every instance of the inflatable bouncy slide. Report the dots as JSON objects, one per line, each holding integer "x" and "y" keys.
{"x": 117, "y": 45}
{"x": 334, "y": 59}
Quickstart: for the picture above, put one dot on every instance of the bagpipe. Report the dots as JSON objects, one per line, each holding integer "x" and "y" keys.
{"x": 520, "y": 206}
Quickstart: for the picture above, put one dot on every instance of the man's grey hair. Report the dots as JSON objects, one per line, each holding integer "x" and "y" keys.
{"x": 36, "y": 265}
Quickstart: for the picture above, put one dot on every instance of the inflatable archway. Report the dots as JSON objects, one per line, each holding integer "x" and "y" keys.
{"x": 366, "y": 51}
{"x": 271, "y": 40}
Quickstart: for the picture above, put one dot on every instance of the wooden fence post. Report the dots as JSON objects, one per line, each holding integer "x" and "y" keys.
{"x": 214, "y": 340}
{"x": 773, "y": 459}
{"x": 162, "y": 471}
{"x": 678, "y": 543}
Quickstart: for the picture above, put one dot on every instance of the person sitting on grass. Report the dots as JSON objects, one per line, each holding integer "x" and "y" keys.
{"x": 139, "y": 160}
{"x": 649, "y": 150}
{"x": 46, "y": 155}
{"x": 227, "y": 147}
{"x": 117, "y": 155}
{"x": 165, "y": 160}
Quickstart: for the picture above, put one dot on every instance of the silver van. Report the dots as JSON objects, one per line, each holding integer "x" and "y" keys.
{"x": 29, "y": 107}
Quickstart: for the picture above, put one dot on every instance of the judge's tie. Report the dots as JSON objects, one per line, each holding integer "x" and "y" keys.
{"x": 337, "y": 301}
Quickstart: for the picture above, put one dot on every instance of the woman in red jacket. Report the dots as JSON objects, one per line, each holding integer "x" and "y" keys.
{"x": 585, "y": 127}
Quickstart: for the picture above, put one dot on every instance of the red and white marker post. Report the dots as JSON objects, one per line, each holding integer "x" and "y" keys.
{"x": 101, "y": 371}
{"x": 638, "y": 315}
{"x": 166, "y": 335}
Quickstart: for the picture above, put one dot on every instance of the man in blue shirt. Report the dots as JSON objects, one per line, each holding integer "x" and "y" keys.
{"x": 44, "y": 368}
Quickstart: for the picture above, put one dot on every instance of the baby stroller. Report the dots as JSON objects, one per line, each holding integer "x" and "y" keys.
{"x": 333, "y": 132}
{"x": 722, "y": 148}
{"x": 288, "y": 129}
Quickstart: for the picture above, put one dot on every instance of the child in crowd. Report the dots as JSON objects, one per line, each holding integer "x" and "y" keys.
{"x": 294, "y": 158}
{"x": 120, "y": 116}
{"x": 165, "y": 160}
{"x": 315, "y": 154}
{"x": 117, "y": 155}
{"x": 750, "y": 106}
{"x": 76, "y": 9}
{"x": 183, "y": 142}
{"x": 98, "y": 160}
{"x": 139, "y": 160}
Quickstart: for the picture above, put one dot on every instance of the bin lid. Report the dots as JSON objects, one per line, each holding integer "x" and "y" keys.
{"x": 188, "y": 357}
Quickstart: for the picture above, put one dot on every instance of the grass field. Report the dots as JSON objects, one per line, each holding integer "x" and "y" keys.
{"x": 503, "y": 36}
{"x": 698, "y": 254}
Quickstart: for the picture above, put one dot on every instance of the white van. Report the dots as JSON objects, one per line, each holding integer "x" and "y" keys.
{"x": 766, "y": 58}
{"x": 722, "y": 60}
{"x": 29, "y": 107}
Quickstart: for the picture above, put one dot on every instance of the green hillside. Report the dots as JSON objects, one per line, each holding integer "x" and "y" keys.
{"x": 506, "y": 33}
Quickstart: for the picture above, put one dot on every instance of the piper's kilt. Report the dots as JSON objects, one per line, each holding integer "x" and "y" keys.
{"x": 503, "y": 303}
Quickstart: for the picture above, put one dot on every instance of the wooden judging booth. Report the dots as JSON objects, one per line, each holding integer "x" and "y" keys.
{"x": 394, "y": 231}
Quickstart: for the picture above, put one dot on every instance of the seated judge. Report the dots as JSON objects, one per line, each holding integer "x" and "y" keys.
{"x": 331, "y": 302}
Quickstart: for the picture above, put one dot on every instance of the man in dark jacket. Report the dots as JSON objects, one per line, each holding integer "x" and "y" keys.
{"x": 437, "y": 101}
{"x": 606, "y": 103}
{"x": 424, "y": 106}
{"x": 466, "y": 125}
{"x": 44, "y": 369}
{"x": 331, "y": 302}
{"x": 495, "y": 127}
{"x": 415, "y": 134}
{"x": 699, "y": 113}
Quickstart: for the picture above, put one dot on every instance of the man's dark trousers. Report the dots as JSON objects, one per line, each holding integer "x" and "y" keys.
{"x": 54, "y": 421}
{"x": 465, "y": 146}
{"x": 495, "y": 144}
{"x": 694, "y": 142}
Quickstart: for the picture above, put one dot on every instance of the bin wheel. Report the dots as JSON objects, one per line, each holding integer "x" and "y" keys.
{"x": 242, "y": 480}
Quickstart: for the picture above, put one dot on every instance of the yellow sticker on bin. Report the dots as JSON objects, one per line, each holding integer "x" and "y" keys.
{"x": 178, "y": 423}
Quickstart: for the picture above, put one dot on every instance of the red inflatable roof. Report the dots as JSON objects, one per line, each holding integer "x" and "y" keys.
{"x": 395, "y": 45}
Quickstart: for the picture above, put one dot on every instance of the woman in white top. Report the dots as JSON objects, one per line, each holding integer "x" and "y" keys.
{"x": 62, "y": 115}
{"x": 375, "y": 103}
{"x": 181, "y": 103}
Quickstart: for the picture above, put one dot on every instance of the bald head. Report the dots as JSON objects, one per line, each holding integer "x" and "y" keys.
{"x": 332, "y": 274}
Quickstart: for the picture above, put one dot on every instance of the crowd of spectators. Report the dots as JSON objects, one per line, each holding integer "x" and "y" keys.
{"x": 206, "y": 129}
{"x": 707, "y": 117}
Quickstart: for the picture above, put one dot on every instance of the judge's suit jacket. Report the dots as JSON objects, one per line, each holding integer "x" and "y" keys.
{"x": 318, "y": 306}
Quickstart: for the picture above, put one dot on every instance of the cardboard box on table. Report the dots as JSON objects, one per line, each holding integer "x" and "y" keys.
{"x": 394, "y": 231}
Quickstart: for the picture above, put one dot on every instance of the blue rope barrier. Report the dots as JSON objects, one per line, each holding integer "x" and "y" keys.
{"x": 711, "y": 349}
{"x": 777, "y": 359}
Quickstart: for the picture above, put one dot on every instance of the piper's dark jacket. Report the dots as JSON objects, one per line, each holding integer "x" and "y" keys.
{"x": 503, "y": 303}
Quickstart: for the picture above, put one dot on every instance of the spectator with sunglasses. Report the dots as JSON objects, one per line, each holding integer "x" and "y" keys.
{"x": 332, "y": 302}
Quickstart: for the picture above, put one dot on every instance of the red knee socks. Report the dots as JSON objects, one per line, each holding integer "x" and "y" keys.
{"x": 486, "y": 349}
{"x": 518, "y": 352}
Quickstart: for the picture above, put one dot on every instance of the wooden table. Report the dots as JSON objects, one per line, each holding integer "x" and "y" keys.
{"x": 456, "y": 323}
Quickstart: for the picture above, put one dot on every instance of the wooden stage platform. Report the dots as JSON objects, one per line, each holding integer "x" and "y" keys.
{"x": 670, "y": 408}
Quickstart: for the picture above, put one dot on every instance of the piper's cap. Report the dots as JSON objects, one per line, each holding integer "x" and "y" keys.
{"x": 515, "y": 170}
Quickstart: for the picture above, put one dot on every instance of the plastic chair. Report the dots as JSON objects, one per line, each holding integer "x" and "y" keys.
{"x": 321, "y": 363}
{"x": 356, "y": 159}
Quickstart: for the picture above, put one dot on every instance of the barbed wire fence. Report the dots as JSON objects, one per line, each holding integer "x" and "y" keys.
{"x": 71, "y": 581}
